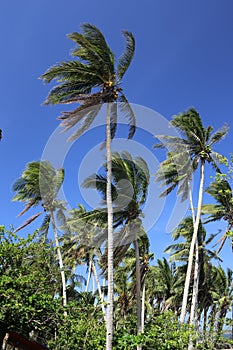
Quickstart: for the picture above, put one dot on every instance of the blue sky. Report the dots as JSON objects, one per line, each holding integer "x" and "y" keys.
{"x": 184, "y": 55}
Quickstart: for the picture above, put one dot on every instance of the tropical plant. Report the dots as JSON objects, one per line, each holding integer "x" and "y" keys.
{"x": 93, "y": 68}
{"x": 223, "y": 296}
{"x": 28, "y": 285}
{"x": 38, "y": 184}
{"x": 179, "y": 251}
{"x": 162, "y": 293}
{"x": 197, "y": 141}
{"x": 79, "y": 246}
{"x": 221, "y": 191}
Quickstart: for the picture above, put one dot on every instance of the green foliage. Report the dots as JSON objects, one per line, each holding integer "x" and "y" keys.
{"x": 28, "y": 284}
{"x": 162, "y": 332}
{"x": 165, "y": 332}
{"x": 83, "y": 328}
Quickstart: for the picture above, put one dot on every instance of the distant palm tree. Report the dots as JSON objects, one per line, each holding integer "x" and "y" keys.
{"x": 197, "y": 141}
{"x": 79, "y": 245}
{"x": 221, "y": 191}
{"x": 179, "y": 252}
{"x": 94, "y": 68}
{"x": 38, "y": 184}
{"x": 222, "y": 294}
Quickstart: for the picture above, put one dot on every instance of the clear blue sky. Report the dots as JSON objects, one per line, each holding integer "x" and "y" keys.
{"x": 184, "y": 58}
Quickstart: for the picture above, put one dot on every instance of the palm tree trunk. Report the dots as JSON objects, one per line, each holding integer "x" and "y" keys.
{"x": 63, "y": 278}
{"x": 143, "y": 305}
{"x": 99, "y": 290}
{"x": 89, "y": 276}
{"x": 93, "y": 284}
{"x": 109, "y": 333}
{"x": 138, "y": 290}
{"x": 204, "y": 323}
{"x": 193, "y": 312}
{"x": 192, "y": 246}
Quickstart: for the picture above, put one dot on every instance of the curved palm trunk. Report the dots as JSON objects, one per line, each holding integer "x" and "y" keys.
{"x": 193, "y": 313}
{"x": 138, "y": 290}
{"x": 99, "y": 289}
{"x": 109, "y": 333}
{"x": 143, "y": 305}
{"x": 63, "y": 278}
{"x": 192, "y": 246}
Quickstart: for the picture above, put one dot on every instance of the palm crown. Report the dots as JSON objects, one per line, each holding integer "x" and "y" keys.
{"x": 94, "y": 67}
{"x": 186, "y": 152}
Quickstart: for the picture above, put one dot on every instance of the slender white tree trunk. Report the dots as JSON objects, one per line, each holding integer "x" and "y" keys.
{"x": 138, "y": 290}
{"x": 192, "y": 246}
{"x": 93, "y": 284}
{"x": 143, "y": 305}
{"x": 89, "y": 276}
{"x": 63, "y": 278}
{"x": 109, "y": 333}
{"x": 193, "y": 313}
{"x": 99, "y": 289}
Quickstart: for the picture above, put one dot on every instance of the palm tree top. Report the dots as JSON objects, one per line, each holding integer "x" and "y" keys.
{"x": 198, "y": 138}
{"x": 94, "y": 67}
{"x": 221, "y": 191}
{"x": 130, "y": 181}
{"x": 194, "y": 146}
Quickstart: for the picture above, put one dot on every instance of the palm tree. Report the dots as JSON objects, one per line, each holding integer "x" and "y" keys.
{"x": 221, "y": 191}
{"x": 38, "y": 184}
{"x": 130, "y": 181}
{"x": 93, "y": 68}
{"x": 197, "y": 141}
{"x": 222, "y": 295}
{"x": 79, "y": 245}
{"x": 179, "y": 251}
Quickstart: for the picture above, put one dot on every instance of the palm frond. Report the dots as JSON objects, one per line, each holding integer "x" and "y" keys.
{"x": 219, "y": 135}
{"x": 59, "y": 179}
{"x": 127, "y": 56}
{"x": 128, "y": 114}
{"x": 88, "y": 119}
{"x": 45, "y": 227}
{"x": 27, "y": 222}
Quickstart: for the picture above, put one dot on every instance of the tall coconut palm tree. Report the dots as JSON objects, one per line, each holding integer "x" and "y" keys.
{"x": 221, "y": 191}
{"x": 130, "y": 181}
{"x": 197, "y": 141}
{"x": 94, "y": 67}
{"x": 38, "y": 184}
